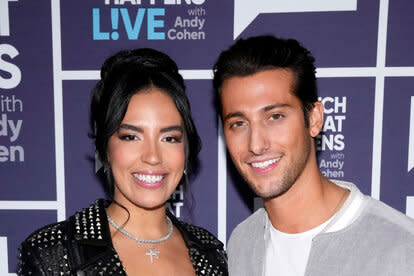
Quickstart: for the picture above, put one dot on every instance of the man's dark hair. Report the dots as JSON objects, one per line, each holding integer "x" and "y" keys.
{"x": 256, "y": 54}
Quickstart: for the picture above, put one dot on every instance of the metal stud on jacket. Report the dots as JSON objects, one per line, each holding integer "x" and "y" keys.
{"x": 81, "y": 245}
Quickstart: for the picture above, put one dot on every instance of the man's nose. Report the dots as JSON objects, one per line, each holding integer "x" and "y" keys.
{"x": 258, "y": 140}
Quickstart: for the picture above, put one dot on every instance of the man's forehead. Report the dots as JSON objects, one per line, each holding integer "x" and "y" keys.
{"x": 277, "y": 80}
{"x": 246, "y": 111}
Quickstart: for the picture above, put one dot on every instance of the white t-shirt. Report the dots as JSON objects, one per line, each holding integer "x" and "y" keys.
{"x": 287, "y": 254}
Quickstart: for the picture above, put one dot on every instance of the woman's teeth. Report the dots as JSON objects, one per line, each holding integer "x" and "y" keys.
{"x": 148, "y": 178}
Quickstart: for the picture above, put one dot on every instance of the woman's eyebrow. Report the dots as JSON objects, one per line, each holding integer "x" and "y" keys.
{"x": 172, "y": 128}
{"x": 131, "y": 127}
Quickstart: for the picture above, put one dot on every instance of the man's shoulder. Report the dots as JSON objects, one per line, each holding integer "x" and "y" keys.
{"x": 246, "y": 246}
{"x": 391, "y": 219}
{"x": 377, "y": 214}
{"x": 250, "y": 227}
{"x": 380, "y": 241}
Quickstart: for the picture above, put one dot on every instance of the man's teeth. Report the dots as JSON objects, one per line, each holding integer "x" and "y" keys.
{"x": 264, "y": 164}
{"x": 148, "y": 178}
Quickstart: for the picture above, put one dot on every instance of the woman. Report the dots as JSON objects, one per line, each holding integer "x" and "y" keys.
{"x": 146, "y": 140}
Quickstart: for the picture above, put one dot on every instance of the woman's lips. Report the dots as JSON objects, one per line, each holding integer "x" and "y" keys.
{"x": 149, "y": 180}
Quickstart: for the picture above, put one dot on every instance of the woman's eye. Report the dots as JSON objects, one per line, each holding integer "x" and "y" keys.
{"x": 128, "y": 137}
{"x": 172, "y": 139}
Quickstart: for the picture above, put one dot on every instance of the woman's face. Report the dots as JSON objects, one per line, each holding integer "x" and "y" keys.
{"x": 146, "y": 154}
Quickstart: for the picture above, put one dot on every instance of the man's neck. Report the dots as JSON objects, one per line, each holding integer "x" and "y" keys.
{"x": 311, "y": 201}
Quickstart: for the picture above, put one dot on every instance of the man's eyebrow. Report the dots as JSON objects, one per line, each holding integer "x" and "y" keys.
{"x": 232, "y": 115}
{"x": 273, "y": 106}
{"x": 131, "y": 127}
{"x": 172, "y": 128}
{"x": 265, "y": 109}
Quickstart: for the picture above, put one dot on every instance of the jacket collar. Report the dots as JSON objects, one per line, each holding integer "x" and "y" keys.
{"x": 195, "y": 237}
{"x": 91, "y": 227}
{"x": 91, "y": 224}
{"x": 91, "y": 230}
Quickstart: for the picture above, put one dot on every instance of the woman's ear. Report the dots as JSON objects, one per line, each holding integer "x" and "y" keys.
{"x": 316, "y": 119}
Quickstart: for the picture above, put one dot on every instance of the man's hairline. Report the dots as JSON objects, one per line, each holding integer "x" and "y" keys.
{"x": 293, "y": 85}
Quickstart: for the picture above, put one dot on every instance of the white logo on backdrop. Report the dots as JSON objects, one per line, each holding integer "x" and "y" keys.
{"x": 410, "y": 199}
{"x": 4, "y": 258}
{"x": 411, "y": 138}
{"x": 4, "y": 17}
{"x": 245, "y": 11}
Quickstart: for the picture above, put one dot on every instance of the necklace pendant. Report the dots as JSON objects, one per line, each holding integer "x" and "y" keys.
{"x": 152, "y": 252}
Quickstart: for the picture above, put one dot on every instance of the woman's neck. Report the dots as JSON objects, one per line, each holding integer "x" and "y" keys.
{"x": 142, "y": 223}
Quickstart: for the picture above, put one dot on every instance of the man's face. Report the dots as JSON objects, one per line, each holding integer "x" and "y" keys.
{"x": 265, "y": 131}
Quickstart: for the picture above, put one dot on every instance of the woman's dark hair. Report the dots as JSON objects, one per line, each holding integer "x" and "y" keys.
{"x": 259, "y": 53}
{"x": 125, "y": 74}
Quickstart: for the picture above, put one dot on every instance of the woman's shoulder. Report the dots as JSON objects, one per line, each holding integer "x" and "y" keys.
{"x": 47, "y": 235}
{"x": 52, "y": 245}
{"x": 206, "y": 251}
{"x": 55, "y": 233}
{"x": 40, "y": 250}
{"x": 195, "y": 234}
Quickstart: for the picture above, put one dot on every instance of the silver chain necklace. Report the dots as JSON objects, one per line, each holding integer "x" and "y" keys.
{"x": 152, "y": 250}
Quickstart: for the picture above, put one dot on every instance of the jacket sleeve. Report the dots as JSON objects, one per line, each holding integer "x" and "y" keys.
{"x": 28, "y": 262}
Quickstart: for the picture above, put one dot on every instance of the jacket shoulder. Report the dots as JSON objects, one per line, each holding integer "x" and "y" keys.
{"x": 201, "y": 235}
{"x": 389, "y": 218}
{"x": 206, "y": 252}
{"x": 246, "y": 246}
{"x": 40, "y": 238}
{"x": 43, "y": 251}
{"x": 250, "y": 227}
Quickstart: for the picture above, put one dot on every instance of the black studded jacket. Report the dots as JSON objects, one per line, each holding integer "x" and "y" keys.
{"x": 82, "y": 245}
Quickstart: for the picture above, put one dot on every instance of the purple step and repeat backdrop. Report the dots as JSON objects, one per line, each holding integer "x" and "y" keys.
{"x": 51, "y": 51}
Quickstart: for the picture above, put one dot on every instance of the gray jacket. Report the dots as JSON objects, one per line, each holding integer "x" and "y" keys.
{"x": 379, "y": 242}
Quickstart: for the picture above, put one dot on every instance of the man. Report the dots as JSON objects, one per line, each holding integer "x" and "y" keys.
{"x": 267, "y": 99}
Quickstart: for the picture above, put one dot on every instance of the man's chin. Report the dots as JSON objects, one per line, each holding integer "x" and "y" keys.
{"x": 267, "y": 194}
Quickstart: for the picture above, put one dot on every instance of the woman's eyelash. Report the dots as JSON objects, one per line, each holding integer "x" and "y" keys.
{"x": 132, "y": 137}
{"x": 127, "y": 137}
{"x": 173, "y": 139}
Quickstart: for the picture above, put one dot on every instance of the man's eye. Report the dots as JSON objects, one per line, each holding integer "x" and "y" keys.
{"x": 128, "y": 137}
{"x": 236, "y": 124}
{"x": 275, "y": 116}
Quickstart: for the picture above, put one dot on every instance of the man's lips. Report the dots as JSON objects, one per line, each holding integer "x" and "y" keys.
{"x": 264, "y": 166}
